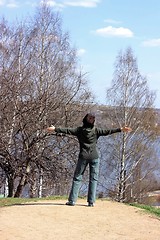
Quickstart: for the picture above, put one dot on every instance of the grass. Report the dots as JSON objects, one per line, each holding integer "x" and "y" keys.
{"x": 147, "y": 208}
{"x": 15, "y": 201}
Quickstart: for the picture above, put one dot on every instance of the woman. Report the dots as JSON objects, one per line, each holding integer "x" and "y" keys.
{"x": 88, "y": 155}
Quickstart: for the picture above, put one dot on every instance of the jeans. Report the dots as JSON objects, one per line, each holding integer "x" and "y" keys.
{"x": 93, "y": 178}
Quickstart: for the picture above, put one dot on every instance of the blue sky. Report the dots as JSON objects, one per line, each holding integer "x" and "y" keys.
{"x": 100, "y": 29}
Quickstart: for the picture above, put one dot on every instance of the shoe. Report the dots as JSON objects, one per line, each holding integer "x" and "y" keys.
{"x": 70, "y": 203}
{"x": 90, "y": 205}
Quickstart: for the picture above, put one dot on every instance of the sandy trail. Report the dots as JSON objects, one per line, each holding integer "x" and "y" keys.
{"x": 53, "y": 220}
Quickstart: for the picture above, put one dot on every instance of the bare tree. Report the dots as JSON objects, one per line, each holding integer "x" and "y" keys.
{"x": 40, "y": 84}
{"x": 132, "y": 156}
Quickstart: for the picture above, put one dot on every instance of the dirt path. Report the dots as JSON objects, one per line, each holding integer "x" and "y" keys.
{"x": 53, "y": 220}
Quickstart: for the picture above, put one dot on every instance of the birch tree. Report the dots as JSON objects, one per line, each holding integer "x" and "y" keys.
{"x": 41, "y": 83}
{"x": 132, "y": 156}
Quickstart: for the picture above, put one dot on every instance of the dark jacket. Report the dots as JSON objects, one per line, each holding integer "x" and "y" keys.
{"x": 87, "y": 138}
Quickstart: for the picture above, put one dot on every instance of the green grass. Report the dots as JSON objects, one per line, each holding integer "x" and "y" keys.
{"x": 147, "y": 208}
{"x": 15, "y": 201}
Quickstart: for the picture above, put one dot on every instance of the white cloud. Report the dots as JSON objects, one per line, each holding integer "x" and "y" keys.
{"x": 152, "y": 43}
{"x": 81, "y": 52}
{"x": 12, "y": 4}
{"x": 83, "y": 3}
{"x": 2, "y": 2}
{"x": 56, "y": 3}
{"x": 112, "y": 31}
{"x": 9, "y": 3}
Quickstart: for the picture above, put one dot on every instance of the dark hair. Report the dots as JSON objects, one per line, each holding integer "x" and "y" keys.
{"x": 86, "y": 124}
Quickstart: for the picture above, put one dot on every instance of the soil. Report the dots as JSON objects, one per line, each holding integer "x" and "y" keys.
{"x": 53, "y": 220}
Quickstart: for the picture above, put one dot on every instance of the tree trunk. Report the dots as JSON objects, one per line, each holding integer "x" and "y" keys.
{"x": 20, "y": 187}
{"x": 121, "y": 190}
{"x": 40, "y": 183}
{"x": 10, "y": 186}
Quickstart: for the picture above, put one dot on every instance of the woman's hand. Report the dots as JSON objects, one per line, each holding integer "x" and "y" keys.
{"x": 51, "y": 129}
{"x": 126, "y": 129}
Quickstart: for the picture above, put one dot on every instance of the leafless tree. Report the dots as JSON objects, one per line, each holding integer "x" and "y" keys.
{"x": 41, "y": 83}
{"x": 131, "y": 157}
